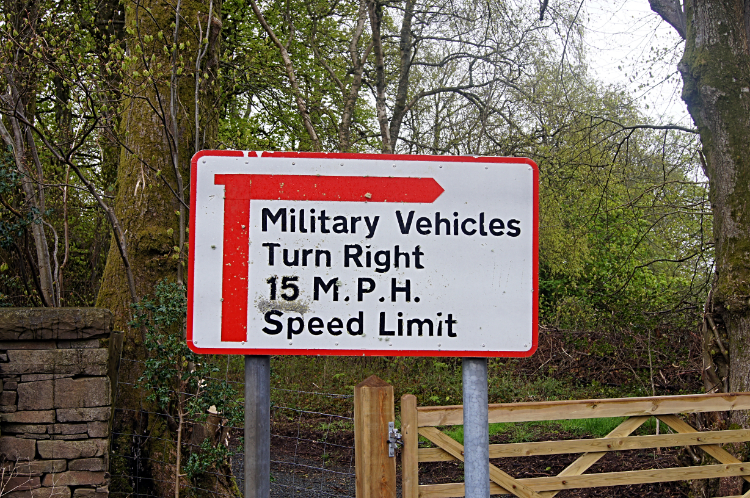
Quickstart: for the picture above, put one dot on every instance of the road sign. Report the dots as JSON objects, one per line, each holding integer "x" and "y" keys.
{"x": 348, "y": 254}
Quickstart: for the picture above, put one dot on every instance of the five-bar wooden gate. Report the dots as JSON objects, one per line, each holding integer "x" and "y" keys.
{"x": 423, "y": 421}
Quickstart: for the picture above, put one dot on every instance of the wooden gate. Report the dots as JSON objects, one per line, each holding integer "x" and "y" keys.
{"x": 423, "y": 421}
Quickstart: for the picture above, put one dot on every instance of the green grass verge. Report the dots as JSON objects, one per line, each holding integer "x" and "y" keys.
{"x": 435, "y": 381}
{"x": 524, "y": 432}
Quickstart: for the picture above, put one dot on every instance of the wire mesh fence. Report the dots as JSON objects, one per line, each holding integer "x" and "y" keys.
{"x": 312, "y": 452}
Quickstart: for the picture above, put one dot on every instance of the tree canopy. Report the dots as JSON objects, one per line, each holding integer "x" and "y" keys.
{"x": 624, "y": 223}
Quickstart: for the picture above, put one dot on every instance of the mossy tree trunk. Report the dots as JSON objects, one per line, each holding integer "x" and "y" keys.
{"x": 166, "y": 41}
{"x": 108, "y": 30}
{"x": 716, "y": 75}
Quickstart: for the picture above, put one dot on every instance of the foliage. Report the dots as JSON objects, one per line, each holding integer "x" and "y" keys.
{"x": 178, "y": 379}
{"x": 12, "y": 228}
{"x": 625, "y": 243}
{"x": 610, "y": 362}
{"x": 624, "y": 228}
{"x": 53, "y": 108}
{"x": 202, "y": 460}
{"x": 180, "y": 382}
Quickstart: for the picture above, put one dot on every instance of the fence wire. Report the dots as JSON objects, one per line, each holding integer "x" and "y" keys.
{"x": 312, "y": 453}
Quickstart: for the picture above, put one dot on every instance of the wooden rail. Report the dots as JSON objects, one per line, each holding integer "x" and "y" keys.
{"x": 423, "y": 421}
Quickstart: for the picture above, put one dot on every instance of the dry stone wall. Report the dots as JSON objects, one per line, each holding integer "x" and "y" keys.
{"x": 58, "y": 369}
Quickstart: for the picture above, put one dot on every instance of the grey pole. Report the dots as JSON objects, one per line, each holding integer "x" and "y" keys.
{"x": 257, "y": 426}
{"x": 476, "y": 428}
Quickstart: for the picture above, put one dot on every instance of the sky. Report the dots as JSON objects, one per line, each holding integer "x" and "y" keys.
{"x": 630, "y": 46}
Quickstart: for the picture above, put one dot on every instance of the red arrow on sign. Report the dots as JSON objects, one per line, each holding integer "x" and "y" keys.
{"x": 242, "y": 188}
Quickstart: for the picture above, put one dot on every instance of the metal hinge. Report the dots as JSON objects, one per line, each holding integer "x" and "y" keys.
{"x": 394, "y": 439}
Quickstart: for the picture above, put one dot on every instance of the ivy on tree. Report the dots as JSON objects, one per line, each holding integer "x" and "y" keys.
{"x": 182, "y": 383}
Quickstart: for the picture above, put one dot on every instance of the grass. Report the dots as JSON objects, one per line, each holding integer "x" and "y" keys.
{"x": 304, "y": 381}
{"x": 523, "y": 432}
{"x": 435, "y": 381}
{"x": 311, "y": 382}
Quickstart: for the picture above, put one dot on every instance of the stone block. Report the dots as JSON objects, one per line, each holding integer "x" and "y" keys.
{"x": 68, "y": 429}
{"x": 83, "y": 414}
{"x": 82, "y": 393}
{"x": 29, "y": 417}
{"x": 23, "y": 324}
{"x": 17, "y": 449}
{"x": 8, "y": 408}
{"x": 89, "y": 464}
{"x": 37, "y": 467}
{"x": 71, "y": 450}
{"x": 69, "y": 437}
{"x": 8, "y": 398}
{"x": 56, "y": 361}
{"x": 55, "y": 492}
{"x": 10, "y": 385}
{"x": 75, "y": 478}
{"x": 24, "y": 429}
{"x": 63, "y": 393}
{"x": 90, "y": 493}
{"x": 21, "y": 483}
{"x": 36, "y": 395}
{"x": 34, "y": 436}
{"x": 98, "y": 429}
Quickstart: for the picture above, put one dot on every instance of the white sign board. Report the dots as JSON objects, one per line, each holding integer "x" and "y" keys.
{"x": 346, "y": 254}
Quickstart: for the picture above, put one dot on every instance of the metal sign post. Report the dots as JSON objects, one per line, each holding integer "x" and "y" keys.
{"x": 476, "y": 428}
{"x": 257, "y": 426}
{"x": 362, "y": 254}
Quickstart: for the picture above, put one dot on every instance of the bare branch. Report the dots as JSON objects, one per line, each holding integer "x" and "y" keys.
{"x": 289, "y": 67}
{"x": 110, "y": 213}
{"x": 652, "y": 127}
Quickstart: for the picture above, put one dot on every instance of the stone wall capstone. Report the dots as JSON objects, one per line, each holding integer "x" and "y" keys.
{"x": 58, "y": 372}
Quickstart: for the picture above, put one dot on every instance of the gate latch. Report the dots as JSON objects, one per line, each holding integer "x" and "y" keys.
{"x": 394, "y": 439}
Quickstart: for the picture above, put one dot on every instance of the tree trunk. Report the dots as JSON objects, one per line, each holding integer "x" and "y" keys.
{"x": 405, "y": 52}
{"x": 158, "y": 141}
{"x": 376, "y": 18}
{"x": 716, "y": 75}
{"x": 107, "y": 29}
{"x": 358, "y": 66}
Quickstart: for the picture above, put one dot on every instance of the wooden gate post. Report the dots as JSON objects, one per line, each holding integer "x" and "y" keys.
{"x": 410, "y": 452}
{"x": 373, "y": 409}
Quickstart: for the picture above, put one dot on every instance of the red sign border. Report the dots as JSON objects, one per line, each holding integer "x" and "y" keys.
{"x": 356, "y": 352}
